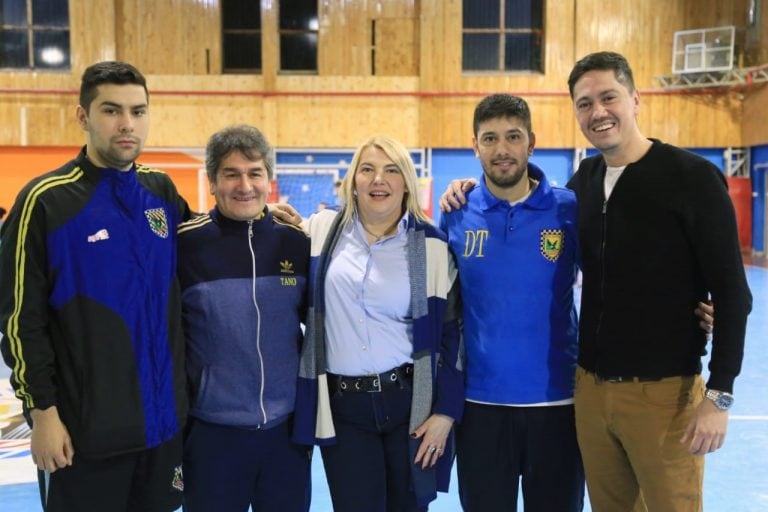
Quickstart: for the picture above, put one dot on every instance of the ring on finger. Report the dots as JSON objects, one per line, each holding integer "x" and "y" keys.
{"x": 432, "y": 449}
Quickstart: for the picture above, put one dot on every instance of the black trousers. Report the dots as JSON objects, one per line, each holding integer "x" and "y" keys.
{"x": 229, "y": 468}
{"x": 146, "y": 481}
{"x": 369, "y": 467}
{"x": 498, "y": 446}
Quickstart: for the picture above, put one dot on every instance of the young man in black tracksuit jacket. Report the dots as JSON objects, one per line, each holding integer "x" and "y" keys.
{"x": 90, "y": 312}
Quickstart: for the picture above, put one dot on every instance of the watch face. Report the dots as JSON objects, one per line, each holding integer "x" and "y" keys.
{"x": 724, "y": 402}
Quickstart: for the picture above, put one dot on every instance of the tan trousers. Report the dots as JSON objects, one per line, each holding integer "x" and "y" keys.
{"x": 629, "y": 435}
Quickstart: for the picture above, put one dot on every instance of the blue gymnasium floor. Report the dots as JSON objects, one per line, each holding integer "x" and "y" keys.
{"x": 736, "y": 477}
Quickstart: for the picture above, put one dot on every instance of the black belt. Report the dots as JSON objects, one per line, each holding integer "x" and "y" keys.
{"x": 369, "y": 383}
{"x": 599, "y": 379}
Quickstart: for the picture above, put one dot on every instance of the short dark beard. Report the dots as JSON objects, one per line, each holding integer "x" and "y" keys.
{"x": 508, "y": 181}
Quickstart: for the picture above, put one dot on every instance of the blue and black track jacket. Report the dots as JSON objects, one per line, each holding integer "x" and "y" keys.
{"x": 90, "y": 306}
{"x": 243, "y": 293}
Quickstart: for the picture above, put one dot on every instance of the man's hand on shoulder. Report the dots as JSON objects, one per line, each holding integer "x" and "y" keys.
{"x": 51, "y": 445}
{"x": 285, "y": 213}
{"x": 454, "y": 195}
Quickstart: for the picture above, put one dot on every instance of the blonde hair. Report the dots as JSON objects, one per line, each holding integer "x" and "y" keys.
{"x": 399, "y": 155}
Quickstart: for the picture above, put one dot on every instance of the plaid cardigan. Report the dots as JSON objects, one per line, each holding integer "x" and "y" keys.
{"x": 438, "y": 352}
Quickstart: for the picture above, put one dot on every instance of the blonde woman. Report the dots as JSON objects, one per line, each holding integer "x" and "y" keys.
{"x": 380, "y": 380}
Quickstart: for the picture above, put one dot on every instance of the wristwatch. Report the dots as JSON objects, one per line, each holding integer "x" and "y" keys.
{"x": 721, "y": 399}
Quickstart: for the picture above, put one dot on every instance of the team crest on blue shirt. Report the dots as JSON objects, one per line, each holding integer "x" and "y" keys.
{"x": 552, "y": 241}
{"x": 158, "y": 223}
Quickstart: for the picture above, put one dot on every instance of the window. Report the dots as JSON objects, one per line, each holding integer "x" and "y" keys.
{"x": 34, "y": 34}
{"x": 298, "y": 35}
{"x": 241, "y": 36}
{"x": 502, "y": 35}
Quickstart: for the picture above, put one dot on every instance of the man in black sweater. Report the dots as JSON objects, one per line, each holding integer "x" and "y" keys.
{"x": 658, "y": 234}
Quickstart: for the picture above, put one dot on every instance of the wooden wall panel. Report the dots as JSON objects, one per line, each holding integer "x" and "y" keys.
{"x": 180, "y": 121}
{"x": 430, "y": 104}
{"x": 40, "y": 120}
{"x": 346, "y": 37}
{"x": 683, "y": 119}
{"x": 345, "y": 122}
{"x": 42, "y": 115}
{"x": 344, "y": 46}
{"x": 713, "y": 13}
{"x": 553, "y": 121}
{"x": 348, "y": 84}
{"x": 441, "y": 45}
{"x": 447, "y": 122}
{"x": 92, "y": 34}
{"x": 754, "y": 129}
{"x": 644, "y": 34}
{"x": 169, "y": 36}
{"x": 397, "y": 47}
{"x": 12, "y": 121}
{"x": 691, "y": 120}
{"x": 759, "y": 53}
{"x": 716, "y": 13}
{"x": 270, "y": 41}
{"x": 560, "y": 51}
{"x": 637, "y": 30}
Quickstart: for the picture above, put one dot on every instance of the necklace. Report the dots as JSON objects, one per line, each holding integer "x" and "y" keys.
{"x": 374, "y": 235}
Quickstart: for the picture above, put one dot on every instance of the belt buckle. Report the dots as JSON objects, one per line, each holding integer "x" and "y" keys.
{"x": 615, "y": 379}
{"x": 375, "y": 384}
{"x": 599, "y": 379}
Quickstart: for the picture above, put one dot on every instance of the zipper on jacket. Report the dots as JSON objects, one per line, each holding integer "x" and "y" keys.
{"x": 603, "y": 234}
{"x": 258, "y": 319}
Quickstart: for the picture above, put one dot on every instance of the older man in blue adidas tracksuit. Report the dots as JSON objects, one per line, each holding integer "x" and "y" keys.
{"x": 243, "y": 277}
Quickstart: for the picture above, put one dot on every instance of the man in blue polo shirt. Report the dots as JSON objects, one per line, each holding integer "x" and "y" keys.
{"x": 515, "y": 243}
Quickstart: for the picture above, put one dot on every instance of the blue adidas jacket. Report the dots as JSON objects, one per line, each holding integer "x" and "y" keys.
{"x": 243, "y": 293}
{"x": 90, "y": 306}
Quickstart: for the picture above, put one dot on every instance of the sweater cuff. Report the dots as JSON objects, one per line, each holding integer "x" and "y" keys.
{"x": 453, "y": 410}
{"x": 721, "y": 382}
